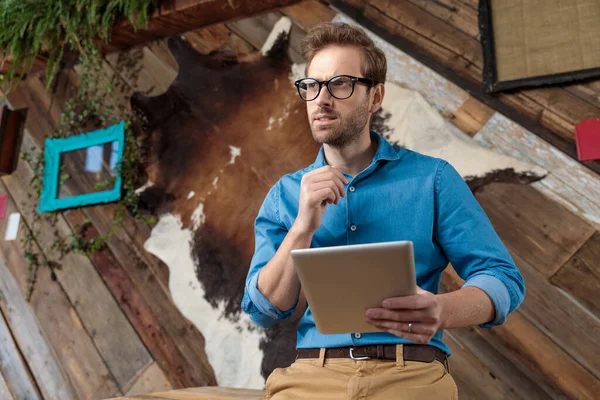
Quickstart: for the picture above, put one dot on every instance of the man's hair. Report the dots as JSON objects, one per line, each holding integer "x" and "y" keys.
{"x": 374, "y": 64}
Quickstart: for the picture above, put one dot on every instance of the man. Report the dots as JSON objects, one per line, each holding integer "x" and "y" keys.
{"x": 361, "y": 189}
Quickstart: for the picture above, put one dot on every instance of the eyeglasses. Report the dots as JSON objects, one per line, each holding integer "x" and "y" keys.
{"x": 341, "y": 87}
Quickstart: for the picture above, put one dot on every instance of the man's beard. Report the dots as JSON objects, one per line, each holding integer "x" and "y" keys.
{"x": 349, "y": 129}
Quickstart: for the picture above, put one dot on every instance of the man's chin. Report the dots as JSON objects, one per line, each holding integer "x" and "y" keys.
{"x": 324, "y": 135}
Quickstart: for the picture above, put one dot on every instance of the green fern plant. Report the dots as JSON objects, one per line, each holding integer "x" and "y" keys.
{"x": 48, "y": 28}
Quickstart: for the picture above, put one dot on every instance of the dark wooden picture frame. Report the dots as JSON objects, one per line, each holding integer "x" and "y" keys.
{"x": 11, "y": 135}
{"x": 490, "y": 75}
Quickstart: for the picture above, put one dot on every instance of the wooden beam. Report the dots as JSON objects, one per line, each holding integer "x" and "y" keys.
{"x": 471, "y": 116}
{"x": 179, "y": 16}
{"x": 209, "y": 38}
{"x": 455, "y": 12}
{"x": 588, "y": 91}
{"x": 309, "y": 13}
{"x": 304, "y": 16}
{"x": 255, "y": 31}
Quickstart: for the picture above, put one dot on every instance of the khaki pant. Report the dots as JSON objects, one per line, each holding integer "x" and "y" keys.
{"x": 344, "y": 378}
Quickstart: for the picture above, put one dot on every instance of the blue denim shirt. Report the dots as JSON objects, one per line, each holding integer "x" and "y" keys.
{"x": 401, "y": 195}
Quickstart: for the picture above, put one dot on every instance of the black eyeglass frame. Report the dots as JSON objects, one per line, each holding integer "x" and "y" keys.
{"x": 365, "y": 81}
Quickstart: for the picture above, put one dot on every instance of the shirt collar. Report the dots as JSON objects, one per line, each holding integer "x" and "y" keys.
{"x": 385, "y": 151}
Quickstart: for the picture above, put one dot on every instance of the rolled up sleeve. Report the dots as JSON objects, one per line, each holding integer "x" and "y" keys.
{"x": 269, "y": 234}
{"x": 471, "y": 244}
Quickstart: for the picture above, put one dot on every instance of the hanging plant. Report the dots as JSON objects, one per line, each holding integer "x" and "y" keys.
{"x": 73, "y": 30}
{"x": 36, "y": 28}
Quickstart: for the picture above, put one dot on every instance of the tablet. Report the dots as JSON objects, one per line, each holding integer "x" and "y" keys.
{"x": 341, "y": 282}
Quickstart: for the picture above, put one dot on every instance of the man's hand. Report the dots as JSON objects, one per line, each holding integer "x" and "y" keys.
{"x": 319, "y": 188}
{"x": 422, "y": 311}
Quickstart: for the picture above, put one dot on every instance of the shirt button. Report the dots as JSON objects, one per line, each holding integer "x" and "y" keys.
{"x": 357, "y": 335}
{"x": 352, "y": 188}
{"x": 352, "y": 228}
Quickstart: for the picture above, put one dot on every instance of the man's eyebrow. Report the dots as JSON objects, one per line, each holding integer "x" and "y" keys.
{"x": 324, "y": 79}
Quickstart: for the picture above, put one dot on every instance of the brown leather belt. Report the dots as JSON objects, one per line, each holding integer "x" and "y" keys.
{"x": 411, "y": 352}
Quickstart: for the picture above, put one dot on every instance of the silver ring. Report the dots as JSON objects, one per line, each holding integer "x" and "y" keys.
{"x": 410, "y": 327}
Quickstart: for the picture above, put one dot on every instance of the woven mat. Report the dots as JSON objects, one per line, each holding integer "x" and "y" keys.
{"x": 558, "y": 40}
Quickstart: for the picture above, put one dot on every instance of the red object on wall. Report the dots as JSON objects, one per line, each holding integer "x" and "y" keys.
{"x": 3, "y": 204}
{"x": 587, "y": 137}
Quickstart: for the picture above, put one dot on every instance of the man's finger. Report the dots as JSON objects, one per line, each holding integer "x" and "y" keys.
{"x": 326, "y": 194}
{"x": 326, "y": 184}
{"x": 329, "y": 176}
{"x": 413, "y": 337}
{"x": 412, "y": 302}
{"x": 395, "y": 315}
{"x": 338, "y": 172}
{"x": 398, "y": 326}
{"x": 340, "y": 184}
{"x": 335, "y": 171}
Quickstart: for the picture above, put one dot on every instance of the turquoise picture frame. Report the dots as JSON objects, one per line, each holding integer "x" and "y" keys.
{"x": 49, "y": 200}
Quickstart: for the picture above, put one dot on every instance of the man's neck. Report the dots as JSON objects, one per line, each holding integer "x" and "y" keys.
{"x": 354, "y": 158}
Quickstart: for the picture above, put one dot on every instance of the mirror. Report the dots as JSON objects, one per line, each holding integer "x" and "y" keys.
{"x": 93, "y": 159}
{"x": 95, "y": 165}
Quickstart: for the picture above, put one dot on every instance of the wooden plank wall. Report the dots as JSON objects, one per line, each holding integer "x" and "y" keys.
{"x": 548, "y": 349}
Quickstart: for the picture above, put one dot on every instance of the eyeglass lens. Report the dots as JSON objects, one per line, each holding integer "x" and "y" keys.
{"x": 340, "y": 87}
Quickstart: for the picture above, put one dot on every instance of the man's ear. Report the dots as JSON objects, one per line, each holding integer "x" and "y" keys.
{"x": 378, "y": 93}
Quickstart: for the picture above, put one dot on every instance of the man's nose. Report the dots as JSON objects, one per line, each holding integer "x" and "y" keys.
{"x": 324, "y": 98}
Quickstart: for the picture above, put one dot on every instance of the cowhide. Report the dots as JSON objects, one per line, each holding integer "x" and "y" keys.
{"x": 224, "y": 132}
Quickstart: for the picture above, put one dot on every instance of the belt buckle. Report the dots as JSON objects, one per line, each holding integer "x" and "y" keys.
{"x": 357, "y": 358}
